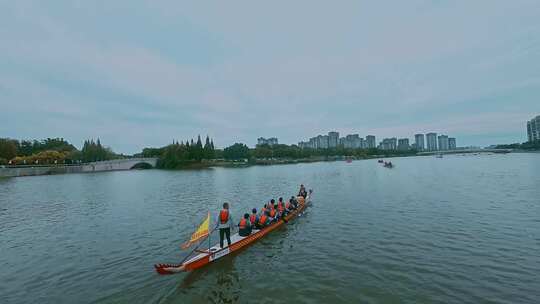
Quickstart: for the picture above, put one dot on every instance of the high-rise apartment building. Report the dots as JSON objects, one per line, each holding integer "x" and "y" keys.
{"x": 443, "y": 142}
{"x": 419, "y": 142}
{"x": 431, "y": 140}
{"x": 323, "y": 141}
{"x": 370, "y": 142}
{"x": 352, "y": 141}
{"x": 264, "y": 141}
{"x": 389, "y": 144}
{"x": 333, "y": 139}
{"x": 313, "y": 144}
{"x": 533, "y": 129}
{"x": 452, "y": 143}
{"x": 403, "y": 144}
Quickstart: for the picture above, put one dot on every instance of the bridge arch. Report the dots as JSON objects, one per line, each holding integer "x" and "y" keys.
{"x": 142, "y": 165}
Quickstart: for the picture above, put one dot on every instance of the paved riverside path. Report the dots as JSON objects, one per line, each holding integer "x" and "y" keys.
{"x": 100, "y": 166}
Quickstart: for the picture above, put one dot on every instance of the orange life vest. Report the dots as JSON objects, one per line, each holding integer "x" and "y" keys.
{"x": 262, "y": 220}
{"x": 243, "y": 224}
{"x": 253, "y": 218}
{"x": 224, "y": 216}
{"x": 273, "y": 212}
{"x": 288, "y": 206}
{"x": 280, "y": 206}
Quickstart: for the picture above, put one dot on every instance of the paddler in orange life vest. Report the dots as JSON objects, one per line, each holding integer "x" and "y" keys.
{"x": 271, "y": 205}
{"x": 253, "y": 218}
{"x": 224, "y": 223}
{"x": 262, "y": 221}
{"x": 272, "y": 212}
{"x": 281, "y": 207}
{"x": 244, "y": 227}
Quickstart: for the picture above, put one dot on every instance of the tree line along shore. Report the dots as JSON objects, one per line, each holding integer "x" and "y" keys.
{"x": 51, "y": 151}
{"x": 187, "y": 154}
{"x": 177, "y": 155}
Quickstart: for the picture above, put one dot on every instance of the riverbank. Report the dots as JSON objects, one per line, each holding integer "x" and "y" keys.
{"x": 101, "y": 166}
{"x": 133, "y": 163}
{"x": 276, "y": 161}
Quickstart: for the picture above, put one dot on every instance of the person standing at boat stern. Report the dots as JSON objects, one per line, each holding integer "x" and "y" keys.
{"x": 302, "y": 191}
{"x": 224, "y": 223}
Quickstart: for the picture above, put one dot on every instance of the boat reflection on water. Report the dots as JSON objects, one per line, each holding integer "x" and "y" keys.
{"x": 190, "y": 279}
{"x": 388, "y": 165}
{"x": 227, "y": 288}
{"x": 217, "y": 284}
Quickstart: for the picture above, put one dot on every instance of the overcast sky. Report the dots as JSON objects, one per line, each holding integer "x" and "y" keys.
{"x": 142, "y": 73}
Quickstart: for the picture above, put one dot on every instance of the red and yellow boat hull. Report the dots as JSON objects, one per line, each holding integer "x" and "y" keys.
{"x": 208, "y": 256}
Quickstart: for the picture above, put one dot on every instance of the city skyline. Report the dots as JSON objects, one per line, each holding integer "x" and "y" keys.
{"x": 435, "y": 142}
{"x": 143, "y": 76}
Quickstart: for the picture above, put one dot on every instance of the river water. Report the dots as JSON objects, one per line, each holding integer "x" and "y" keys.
{"x": 462, "y": 229}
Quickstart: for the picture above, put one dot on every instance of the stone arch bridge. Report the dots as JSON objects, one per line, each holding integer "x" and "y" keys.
{"x": 119, "y": 164}
{"x": 99, "y": 166}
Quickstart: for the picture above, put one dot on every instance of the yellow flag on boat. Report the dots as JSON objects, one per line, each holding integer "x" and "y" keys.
{"x": 201, "y": 232}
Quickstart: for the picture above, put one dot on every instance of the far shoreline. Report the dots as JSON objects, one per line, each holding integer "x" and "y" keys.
{"x": 205, "y": 165}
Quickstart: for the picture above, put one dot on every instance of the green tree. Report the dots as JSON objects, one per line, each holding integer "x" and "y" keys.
{"x": 74, "y": 156}
{"x": 94, "y": 151}
{"x": 199, "y": 151}
{"x": 263, "y": 151}
{"x": 531, "y": 145}
{"x": 27, "y": 147}
{"x": 236, "y": 151}
{"x": 178, "y": 155}
{"x": 8, "y": 148}
{"x": 151, "y": 152}
{"x": 218, "y": 153}
{"x": 208, "y": 150}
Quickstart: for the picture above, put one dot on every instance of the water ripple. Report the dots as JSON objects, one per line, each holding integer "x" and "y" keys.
{"x": 457, "y": 230}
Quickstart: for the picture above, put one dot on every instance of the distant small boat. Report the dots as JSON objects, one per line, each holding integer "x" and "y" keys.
{"x": 348, "y": 160}
{"x": 381, "y": 161}
{"x": 388, "y": 165}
